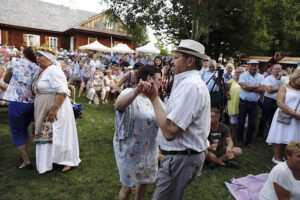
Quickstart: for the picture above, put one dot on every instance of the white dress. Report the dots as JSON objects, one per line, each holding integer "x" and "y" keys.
{"x": 284, "y": 133}
{"x": 283, "y": 176}
{"x": 60, "y": 145}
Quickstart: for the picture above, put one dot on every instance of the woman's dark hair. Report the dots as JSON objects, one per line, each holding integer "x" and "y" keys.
{"x": 147, "y": 70}
{"x": 162, "y": 62}
{"x": 29, "y": 54}
{"x": 137, "y": 65}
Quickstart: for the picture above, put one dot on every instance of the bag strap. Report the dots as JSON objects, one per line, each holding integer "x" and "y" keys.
{"x": 210, "y": 78}
{"x": 297, "y": 105}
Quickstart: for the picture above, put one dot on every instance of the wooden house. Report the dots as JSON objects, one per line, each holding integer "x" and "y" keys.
{"x": 35, "y": 23}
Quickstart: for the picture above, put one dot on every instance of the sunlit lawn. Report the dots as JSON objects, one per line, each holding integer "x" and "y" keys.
{"x": 97, "y": 176}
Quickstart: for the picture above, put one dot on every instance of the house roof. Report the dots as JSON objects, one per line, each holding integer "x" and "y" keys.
{"x": 290, "y": 60}
{"x": 41, "y": 15}
{"x": 108, "y": 32}
{"x": 258, "y": 58}
{"x": 281, "y": 60}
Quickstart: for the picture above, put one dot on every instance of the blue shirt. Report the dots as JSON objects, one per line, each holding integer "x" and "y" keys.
{"x": 249, "y": 79}
{"x": 209, "y": 81}
{"x": 226, "y": 77}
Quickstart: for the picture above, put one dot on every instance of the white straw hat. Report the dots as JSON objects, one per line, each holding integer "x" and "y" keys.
{"x": 191, "y": 47}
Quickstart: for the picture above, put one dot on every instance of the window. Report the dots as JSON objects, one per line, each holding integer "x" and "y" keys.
{"x": 32, "y": 40}
{"x": 109, "y": 24}
{"x": 91, "y": 40}
{"x": 53, "y": 42}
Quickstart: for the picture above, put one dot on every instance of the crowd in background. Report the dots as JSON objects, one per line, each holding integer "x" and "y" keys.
{"x": 237, "y": 92}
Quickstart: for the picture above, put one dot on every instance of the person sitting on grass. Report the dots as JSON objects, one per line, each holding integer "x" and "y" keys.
{"x": 284, "y": 179}
{"x": 218, "y": 153}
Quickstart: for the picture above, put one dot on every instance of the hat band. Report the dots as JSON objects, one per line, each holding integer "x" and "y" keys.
{"x": 186, "y": 49}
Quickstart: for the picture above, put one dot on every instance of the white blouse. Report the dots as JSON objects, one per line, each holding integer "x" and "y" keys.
{"x": 53, "y": 80}
{"x": 283, "y": 176}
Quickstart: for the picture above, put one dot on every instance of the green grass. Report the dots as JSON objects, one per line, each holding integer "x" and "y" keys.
{"x": 97, "y": 176}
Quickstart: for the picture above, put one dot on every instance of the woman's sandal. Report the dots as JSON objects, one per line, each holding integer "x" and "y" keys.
{"x": 66, "y": 169}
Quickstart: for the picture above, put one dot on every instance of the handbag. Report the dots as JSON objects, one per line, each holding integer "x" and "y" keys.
{"x": 285, "y": 118}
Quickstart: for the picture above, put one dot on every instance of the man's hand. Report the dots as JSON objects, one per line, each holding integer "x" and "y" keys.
{"x": 151, "y": 92}
{"x": 143, "y": 87}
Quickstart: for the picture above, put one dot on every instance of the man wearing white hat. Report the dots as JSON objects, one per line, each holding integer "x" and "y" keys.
{"x": 185, "y": 125}
{"x": 251, "y": 89}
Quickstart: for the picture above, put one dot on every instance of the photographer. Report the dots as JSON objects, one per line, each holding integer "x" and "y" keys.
{"x": 214, "y": 82}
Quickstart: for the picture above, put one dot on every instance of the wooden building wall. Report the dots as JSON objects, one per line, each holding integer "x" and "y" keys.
{"x": 82, "y": 39}
{"x": 15, "y": 36}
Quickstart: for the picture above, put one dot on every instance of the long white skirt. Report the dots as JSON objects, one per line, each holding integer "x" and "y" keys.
{"x": 64, "y": 149}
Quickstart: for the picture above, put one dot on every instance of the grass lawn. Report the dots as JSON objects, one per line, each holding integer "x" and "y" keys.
{"x": 97, "y": 176}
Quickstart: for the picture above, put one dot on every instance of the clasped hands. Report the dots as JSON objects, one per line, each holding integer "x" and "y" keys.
{"x": 148, "y": 88}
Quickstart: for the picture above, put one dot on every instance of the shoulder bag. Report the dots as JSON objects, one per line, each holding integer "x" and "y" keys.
{"x": 285, "y": 118}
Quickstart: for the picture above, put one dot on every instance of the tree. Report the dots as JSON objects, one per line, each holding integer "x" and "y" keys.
{"x": 229, "y": 27}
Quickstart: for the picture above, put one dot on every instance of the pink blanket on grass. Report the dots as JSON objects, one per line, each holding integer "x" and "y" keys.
{"x": 248, "y": 187}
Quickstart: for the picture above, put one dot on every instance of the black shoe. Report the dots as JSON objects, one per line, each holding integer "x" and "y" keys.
{"x": 232, "y": 164}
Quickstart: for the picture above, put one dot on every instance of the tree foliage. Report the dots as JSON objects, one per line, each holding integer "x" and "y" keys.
{"x": 231, "y": 27}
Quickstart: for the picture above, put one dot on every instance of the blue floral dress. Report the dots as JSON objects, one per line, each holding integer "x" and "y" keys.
{"x": 23, "y": 74}
{"x": 135, "y": 145}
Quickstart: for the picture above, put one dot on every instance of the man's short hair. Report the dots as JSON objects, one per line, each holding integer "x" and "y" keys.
{"x": 198, "y": 61}
{"x": 215, "y": 110}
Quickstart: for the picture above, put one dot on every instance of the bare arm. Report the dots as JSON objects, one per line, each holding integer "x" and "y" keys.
{"x": 3, "y": 86}
{"x": 282, "y": 194}
{"x": 229, "y": 152}
{"x": 51, "y": 115}
{"x": 123, "y": 101}
{"x": 281, "y": 104}
{"x": 7, "y": 76}
{"x": 122, "y": 80}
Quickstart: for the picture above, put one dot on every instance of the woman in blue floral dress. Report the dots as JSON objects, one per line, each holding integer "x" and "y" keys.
{"x": 20, "y": 75}
{"x": 135, "y": 145}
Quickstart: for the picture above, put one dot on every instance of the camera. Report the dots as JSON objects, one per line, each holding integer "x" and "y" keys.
{"x": 220, "y": 73}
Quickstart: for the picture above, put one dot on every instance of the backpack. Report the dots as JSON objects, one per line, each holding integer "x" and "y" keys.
{"x": 77, "y": 109}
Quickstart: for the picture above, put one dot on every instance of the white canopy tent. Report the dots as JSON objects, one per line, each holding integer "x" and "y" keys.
{"x": 148, "y": 48}
{"x": 122, "y": 48}
{"x": 95, "y": 46}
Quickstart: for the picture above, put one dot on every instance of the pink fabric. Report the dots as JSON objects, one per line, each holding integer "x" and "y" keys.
{"x": 248, "y": 187}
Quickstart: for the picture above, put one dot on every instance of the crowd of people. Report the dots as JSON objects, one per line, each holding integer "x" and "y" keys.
{"x": 172, "y": 116}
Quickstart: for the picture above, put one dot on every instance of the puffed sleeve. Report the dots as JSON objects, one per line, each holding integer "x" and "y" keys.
{"x": 280, "y": 176}
{"x": 58, "y": 81}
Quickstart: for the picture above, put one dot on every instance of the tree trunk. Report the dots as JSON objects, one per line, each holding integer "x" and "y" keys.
{"x": 195, "y": 8}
